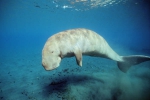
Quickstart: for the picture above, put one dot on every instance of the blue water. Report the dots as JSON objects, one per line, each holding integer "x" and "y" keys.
{"x": 26, "y": 25}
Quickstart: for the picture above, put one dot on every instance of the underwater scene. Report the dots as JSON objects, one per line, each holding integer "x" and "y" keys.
{"x": 27, "y": 56}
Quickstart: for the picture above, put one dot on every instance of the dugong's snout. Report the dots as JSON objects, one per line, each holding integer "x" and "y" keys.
{"x": 50, "y": 64}
{"x": 47, "y": 66}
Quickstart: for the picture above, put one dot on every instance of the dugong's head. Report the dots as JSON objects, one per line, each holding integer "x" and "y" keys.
{"x": 50, "y": 57}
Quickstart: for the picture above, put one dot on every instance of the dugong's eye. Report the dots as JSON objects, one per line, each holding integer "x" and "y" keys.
{"x": 50, "y": 52}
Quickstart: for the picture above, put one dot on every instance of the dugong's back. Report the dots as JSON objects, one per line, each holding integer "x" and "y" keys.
{"x": 76, "y": 34}
{"x": 84, "y": 39}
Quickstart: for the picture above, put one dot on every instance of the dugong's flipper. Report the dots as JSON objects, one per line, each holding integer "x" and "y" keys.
{"x": 129, "y": 61}
{"x": 78, "y": 55}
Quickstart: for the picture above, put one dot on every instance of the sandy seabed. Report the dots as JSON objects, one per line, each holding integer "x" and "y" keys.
{"x": 23, "y": 78}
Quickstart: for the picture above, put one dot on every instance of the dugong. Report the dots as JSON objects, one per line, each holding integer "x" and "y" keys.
{"x": 80, "y": 41}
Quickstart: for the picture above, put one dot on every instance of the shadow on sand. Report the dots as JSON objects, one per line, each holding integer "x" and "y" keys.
{"x": 62, "y": 88}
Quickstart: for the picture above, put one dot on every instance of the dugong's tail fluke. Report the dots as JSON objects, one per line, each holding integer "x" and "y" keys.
{"x": 129, "y": 61}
